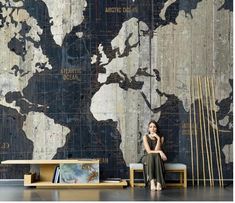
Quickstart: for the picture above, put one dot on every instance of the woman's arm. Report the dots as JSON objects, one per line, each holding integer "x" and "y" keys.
{"x": 159, "y": 143}
{"x": 146, "y": 145}
{"x": 158, "y": 149}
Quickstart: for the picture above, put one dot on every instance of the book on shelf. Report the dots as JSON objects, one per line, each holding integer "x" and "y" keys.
{"x": 53, "y": 179}
{"x": 112, "y": 180}
{"x": 56, "y": 176}
{"x": 58, "y": 179}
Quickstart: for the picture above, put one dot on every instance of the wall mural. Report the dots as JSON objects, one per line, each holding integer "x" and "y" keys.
{"x": 82, "y": 78}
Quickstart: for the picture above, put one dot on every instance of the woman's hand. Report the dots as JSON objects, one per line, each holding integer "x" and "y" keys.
{"x": 163, "y": 156}
{"x": 156, "y": 136}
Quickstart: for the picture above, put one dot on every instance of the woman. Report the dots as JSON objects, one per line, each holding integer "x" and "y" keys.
{"x": 153, "y": 142}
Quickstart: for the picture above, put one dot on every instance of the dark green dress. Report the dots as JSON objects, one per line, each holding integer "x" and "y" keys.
{"x": 154, "y": 164}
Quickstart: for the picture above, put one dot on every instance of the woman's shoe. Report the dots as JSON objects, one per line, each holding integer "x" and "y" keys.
{"x": 159, "y": 187}
{"x": 152, "y": 185}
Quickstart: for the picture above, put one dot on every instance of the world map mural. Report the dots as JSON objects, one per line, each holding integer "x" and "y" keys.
{"x": 82, "y": 78}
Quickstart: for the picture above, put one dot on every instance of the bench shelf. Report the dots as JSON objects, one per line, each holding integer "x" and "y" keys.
{"x": 46, "y": 171}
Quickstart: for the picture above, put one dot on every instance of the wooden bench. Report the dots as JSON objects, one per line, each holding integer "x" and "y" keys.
{"x": 169, "y": 168}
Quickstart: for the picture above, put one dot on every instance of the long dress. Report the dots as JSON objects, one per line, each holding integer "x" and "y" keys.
{"x": 154, "y": 164}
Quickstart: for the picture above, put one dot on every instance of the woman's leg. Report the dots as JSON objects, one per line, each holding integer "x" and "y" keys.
{"x": 151, "y": 170}
{"x": 159, "y": 172}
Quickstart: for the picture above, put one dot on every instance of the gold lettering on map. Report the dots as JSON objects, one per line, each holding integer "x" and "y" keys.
{"x": 4, "y": 145}
{"x": 71, "y": 74}
{"x": 113, "y": 10}
{"x": 121, "y": 10}
{"x": 129, "y": 9}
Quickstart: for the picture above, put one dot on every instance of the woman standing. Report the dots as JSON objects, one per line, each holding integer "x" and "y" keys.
{"x": 153, "y": 142}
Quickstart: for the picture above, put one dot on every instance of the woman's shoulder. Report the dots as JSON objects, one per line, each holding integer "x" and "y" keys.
{"x": 145, "y": 136}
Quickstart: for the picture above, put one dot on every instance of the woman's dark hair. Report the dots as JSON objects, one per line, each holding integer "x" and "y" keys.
{"x": 155, "y": 123}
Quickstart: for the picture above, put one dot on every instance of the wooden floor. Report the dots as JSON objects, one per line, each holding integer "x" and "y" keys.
{"x": 17, "y": 192}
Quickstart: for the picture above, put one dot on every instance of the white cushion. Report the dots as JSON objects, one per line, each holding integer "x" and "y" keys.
{"x": 136, "y": 166}
{"x": 168, "y": 166}
{"x": 174, "y": 166}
